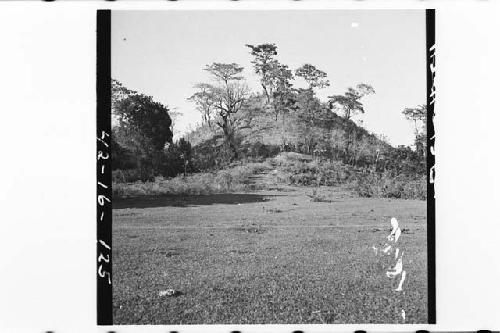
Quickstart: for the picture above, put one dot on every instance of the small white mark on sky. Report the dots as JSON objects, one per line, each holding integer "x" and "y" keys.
{"x": 354, "y": 25}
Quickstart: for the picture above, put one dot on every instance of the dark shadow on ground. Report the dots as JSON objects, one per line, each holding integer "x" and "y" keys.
{"x": 190, "y": 200}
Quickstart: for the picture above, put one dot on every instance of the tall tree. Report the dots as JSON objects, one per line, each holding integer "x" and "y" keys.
{"x": 419, "y": 116}
{"x": 314, "y": 77}
{"x": 308, "y": 112}
{"x": 264, "y": 64}
{"x": 308, "y": 106}
{"x": 226, "y": 97}
{"x": 282, "y": 97}
{"x": 204, "y": 102}
{"x": 275, "y": 77}
{"x": 350, "y": 102}
{"x": 144, "y": 126}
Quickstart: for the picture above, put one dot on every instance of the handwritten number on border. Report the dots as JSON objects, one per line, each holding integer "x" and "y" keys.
{"x": 104, "y": 250}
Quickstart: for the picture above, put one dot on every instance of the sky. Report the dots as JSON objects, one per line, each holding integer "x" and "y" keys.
{"x": 163, "y": 53}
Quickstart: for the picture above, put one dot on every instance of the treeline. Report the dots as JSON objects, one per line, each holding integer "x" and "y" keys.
{"x": 238, "y": 124}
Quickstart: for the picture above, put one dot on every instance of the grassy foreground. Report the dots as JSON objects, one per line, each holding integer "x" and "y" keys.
{"x": 264, "y": 257}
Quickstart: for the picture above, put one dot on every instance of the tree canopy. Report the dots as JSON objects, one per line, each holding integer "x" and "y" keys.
{"x": 143, "y": 128}
{"x": 204, "y": 102}
{"x": 314, "y": 77}
{"x": 225, "y": 72}
{"x": 149, "y": 121}
{"x": 350, "y": 102}
{"x": 416, "y": 114}
{"x": 265, "y": 65}
{"x": 419, "y": 116}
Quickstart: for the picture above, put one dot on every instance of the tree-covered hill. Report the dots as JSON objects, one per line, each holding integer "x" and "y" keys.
{"x": 241, "y": 126}
{"x": 311, "y": 128}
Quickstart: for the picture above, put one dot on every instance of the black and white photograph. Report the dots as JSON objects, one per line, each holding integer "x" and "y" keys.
{"x": 249, "y": 166}
{"x": 269, "y": 167}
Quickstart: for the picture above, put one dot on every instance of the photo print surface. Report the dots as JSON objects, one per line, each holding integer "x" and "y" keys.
{"x": 269, "y": 167}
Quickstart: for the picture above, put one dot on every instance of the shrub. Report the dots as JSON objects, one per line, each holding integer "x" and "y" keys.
{"x": 297, "y": 169}
{"x": 223, "y": 181}
{"x": 258, "y": 149}
{"x": 385, "y": 185}
{"x": 129, "y": 175}
{"x": 314, "y": 172}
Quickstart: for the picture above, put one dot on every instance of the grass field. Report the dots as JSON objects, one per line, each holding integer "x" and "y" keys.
{"x": 265, "y": 257}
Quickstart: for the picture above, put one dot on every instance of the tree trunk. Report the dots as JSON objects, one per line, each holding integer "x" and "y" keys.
{"x": 283, "y": 132}
{"x": 229, "y": 137}
{"x": 268, "y": 98}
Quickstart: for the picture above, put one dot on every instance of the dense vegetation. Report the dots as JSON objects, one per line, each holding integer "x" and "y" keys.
{"x": 244, "y": 132}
